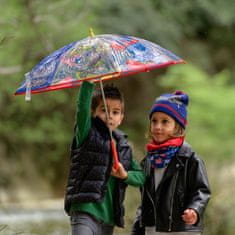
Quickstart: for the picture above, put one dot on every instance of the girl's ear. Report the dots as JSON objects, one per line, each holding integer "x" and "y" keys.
{"x": 179, "y": 130}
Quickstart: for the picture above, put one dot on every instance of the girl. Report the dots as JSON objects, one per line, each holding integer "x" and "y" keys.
{"x": 176, "y": 190}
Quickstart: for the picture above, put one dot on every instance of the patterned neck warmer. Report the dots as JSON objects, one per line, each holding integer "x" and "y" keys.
{"x": 161, "y": 154}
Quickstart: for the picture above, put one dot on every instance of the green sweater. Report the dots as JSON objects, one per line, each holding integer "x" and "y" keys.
{"x": 102, "y": 210}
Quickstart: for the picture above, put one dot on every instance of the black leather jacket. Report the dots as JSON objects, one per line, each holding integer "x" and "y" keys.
{"x": 184, "y": 185}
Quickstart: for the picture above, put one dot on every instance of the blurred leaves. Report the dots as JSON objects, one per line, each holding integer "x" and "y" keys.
{"x": 35, "y": 137}
{"x": 201, "y": 30}
{"x": 30, "y": 30}
{"x": 210, "y": 109}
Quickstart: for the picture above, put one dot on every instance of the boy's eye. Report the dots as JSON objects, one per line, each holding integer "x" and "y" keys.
{"x": 116, "y": 112}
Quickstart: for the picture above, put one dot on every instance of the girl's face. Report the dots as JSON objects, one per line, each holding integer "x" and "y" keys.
{"x": 115, "y": 111}
{"x": 162, "y": 127}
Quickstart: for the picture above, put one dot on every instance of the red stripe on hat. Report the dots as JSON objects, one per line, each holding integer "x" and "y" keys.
{"x": 173, "y": 111}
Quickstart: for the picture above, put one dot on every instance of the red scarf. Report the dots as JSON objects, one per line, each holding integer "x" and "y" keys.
{"x": 177, "y": 141}
{"x": 160, "y": 155}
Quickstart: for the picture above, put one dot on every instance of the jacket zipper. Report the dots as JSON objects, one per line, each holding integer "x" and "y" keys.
{"x": 154, "y": 208}
{"x": 147, "y": 167}
{"x": 172, "y": 203}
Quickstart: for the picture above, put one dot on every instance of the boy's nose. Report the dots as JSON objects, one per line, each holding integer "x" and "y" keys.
{"x": 110, "y": 115}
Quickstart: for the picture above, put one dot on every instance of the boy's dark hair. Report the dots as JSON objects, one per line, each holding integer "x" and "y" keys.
{"x": 110, "y": 92}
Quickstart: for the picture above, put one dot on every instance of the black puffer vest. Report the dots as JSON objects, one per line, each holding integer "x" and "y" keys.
{"x": 90, "y": 169}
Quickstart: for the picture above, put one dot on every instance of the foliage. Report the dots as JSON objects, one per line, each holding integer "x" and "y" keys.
{"x": 40, "y": 131}
{"x": 210, "y": 109}
{"x": 202, "y": 30}
{"x": 35, "y": 137}
{"x": 220, "y": 215}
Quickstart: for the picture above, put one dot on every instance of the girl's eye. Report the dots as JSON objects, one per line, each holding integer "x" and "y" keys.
{"x": 154, "y": 121}
{"x": 165, "y": 121}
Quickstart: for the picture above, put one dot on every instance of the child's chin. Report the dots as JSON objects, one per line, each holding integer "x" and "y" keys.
{"x": 160, "y": 141}
{"x": 112, "y": 128}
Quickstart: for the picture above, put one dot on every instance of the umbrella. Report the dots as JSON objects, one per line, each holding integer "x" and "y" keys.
{"x": 95, "y": 58}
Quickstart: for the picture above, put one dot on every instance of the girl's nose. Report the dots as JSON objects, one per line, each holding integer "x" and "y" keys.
{"x": 157, "y": 126}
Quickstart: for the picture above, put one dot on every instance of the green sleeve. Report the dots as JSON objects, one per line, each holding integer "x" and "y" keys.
{"x": 83, "y": 114}
{"x": 136, "y": 176}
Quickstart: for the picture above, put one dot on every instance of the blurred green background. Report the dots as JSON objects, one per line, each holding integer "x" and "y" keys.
{"x": 35, "y": 136}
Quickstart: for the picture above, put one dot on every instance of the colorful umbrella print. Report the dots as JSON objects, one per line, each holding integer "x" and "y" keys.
{"x": 93, "y": 58}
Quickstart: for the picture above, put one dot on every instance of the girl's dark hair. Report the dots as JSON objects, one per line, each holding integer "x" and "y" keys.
{"x": 110, "y": 92}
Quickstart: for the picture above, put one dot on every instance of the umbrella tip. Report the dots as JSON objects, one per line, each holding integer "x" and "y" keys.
{"x": 91, "y": 32}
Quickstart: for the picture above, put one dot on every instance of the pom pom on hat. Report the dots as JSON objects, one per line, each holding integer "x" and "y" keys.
{"x": 175, "y": 105}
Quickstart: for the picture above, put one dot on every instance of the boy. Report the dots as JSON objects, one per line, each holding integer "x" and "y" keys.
{"x": 95, "y": 191}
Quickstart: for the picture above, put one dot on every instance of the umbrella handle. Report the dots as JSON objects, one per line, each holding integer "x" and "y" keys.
{"x": 115, "y": 155}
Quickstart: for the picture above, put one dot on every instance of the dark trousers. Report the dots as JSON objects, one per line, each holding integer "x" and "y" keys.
{"x": 85, "y": 224}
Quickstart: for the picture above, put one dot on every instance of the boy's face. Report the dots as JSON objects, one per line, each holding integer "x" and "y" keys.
{"x": 115, "y": 111}
{"x": 162, "y": 127}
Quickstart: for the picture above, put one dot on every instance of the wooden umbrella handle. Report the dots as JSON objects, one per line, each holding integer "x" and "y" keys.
{"x": 115, "y": 155}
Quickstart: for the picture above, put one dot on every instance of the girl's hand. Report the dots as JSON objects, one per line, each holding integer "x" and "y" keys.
{"x": 120, "y": 173}
{"x": 190, "y": 216}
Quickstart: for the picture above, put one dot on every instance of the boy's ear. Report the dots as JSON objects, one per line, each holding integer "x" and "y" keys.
{"x": 121, "y": 119}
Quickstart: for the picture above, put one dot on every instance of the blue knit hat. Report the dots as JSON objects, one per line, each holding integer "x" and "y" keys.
{"x": 174, "y": 105}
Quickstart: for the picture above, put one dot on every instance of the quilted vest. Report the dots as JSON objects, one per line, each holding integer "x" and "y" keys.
{"x": 90, "y": 167}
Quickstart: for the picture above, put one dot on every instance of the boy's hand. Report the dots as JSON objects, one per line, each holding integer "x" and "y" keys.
{"x": 190, "y": 216}
{"x": 120, "y": 173}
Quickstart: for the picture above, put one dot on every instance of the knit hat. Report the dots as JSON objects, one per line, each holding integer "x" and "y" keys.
{"x": 174, "y": 105}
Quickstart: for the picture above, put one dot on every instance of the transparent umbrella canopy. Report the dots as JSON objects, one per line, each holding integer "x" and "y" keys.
{"x": 95, "y": 58}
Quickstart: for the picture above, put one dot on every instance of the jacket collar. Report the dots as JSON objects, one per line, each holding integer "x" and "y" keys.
{"x": 177, "y": 163}
{"x": 185, "y": 150}
{"x": 118, "y": 135}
